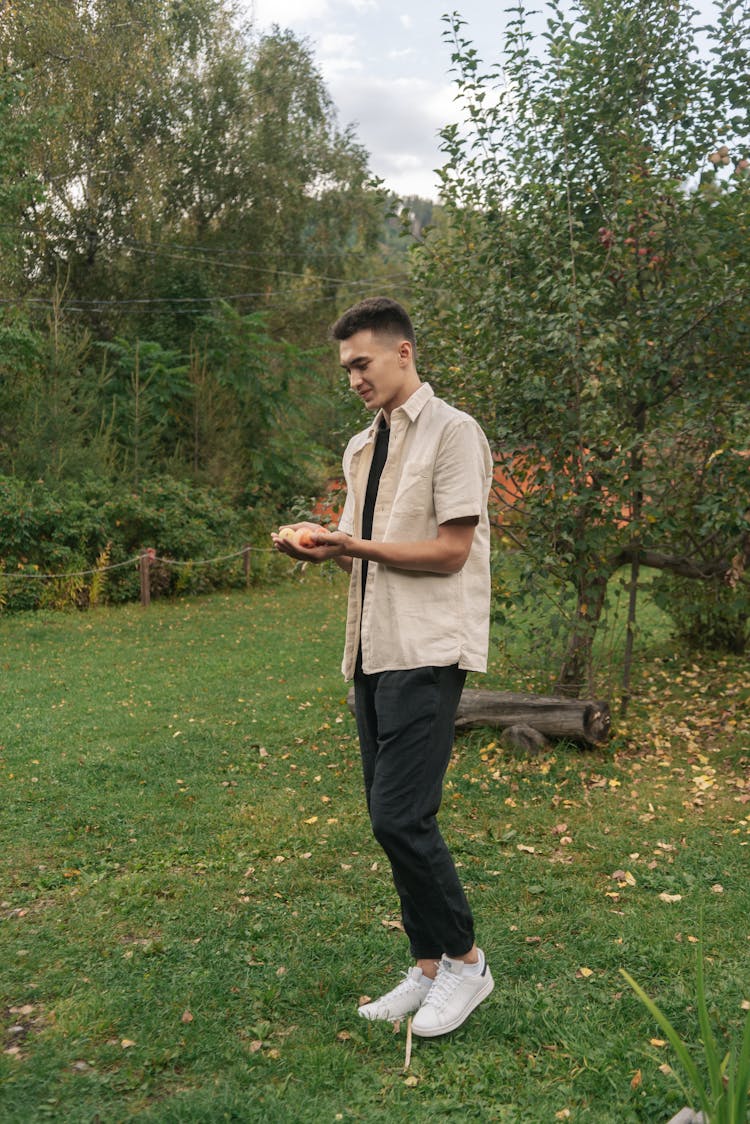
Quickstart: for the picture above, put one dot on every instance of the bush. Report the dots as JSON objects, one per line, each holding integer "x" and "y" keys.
{"x": 707, "y": 615}
{"x": 76, "y": 528}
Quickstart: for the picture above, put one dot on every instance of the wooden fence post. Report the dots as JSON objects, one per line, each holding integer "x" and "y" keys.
{"x": 144, "y": 565}
{"x": 246, "y": 562}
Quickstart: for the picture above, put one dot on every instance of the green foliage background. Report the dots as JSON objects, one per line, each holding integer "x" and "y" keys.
{"x": 182, "y": 215}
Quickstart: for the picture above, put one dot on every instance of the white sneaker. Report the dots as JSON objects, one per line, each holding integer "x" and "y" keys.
{"x": 453, "y": 996}
{"x": 403, "y": 1000}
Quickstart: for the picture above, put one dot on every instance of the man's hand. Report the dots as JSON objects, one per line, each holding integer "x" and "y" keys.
{"x": 319, "y": 544}
{"x": 445, "y": 554}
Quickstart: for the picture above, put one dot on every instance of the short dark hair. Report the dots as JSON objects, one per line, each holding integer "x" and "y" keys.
{"x": 376, "y": 314}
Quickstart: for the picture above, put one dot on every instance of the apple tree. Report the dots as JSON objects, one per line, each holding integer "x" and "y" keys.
{"x": 587, "y": 298}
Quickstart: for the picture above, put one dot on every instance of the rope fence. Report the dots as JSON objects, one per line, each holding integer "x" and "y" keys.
{"x": 145, "y": 560}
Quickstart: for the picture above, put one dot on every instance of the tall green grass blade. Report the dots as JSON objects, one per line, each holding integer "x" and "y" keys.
{"x": 710, "y": 1049}
{"x": 740, "y": 1080}
{"x": 683, "y": 1056}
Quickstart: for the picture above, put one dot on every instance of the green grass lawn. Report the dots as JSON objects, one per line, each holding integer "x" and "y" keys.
{"x": 191, "y": 903}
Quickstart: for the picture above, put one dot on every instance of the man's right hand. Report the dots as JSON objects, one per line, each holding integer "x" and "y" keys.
{"x": 315, "y": 544}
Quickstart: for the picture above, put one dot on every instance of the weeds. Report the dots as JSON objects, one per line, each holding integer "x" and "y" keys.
{"x": 723, "y": 1098}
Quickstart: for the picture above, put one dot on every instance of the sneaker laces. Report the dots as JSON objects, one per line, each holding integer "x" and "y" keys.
{"x": 408, "y": 983}
{"x": 443, "y": 987}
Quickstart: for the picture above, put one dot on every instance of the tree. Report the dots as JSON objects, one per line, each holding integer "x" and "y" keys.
{"x": 18, "y": 189}
{"x": 52, "y": 424}
{"x": 586, "y": 297}
{"x": 185, "y": 172}
{"x": 180, "y": 157}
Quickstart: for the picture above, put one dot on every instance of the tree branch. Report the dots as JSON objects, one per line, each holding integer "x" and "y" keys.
{"x": 675, "y": 563}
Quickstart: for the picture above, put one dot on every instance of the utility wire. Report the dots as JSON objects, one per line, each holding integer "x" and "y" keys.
{"x": 82, "y": 304}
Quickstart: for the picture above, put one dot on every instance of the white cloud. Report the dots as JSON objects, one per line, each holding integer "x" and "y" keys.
{"x": 287, "y": 13}
{"x": 398, "y": 122}
{"x": 386, "y": 67}
{"x": 339, "y": 54}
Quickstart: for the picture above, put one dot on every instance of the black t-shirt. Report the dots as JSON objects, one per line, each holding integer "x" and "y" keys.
{"x": 379, "y": 457}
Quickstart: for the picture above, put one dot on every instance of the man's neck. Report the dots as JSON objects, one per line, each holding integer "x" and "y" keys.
{"x": 411, "y": 388}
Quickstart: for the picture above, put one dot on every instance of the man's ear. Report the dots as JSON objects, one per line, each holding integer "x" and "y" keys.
{"x": 404, "y": 351}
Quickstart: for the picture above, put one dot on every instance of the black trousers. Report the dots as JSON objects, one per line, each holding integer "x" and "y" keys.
{"x": 405, "y": 721}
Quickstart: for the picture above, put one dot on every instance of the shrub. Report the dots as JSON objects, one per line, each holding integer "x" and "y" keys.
{"x": 75, "y": 528}
{"x": 707, "y": 615}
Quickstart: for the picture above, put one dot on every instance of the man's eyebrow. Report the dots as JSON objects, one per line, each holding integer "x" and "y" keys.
{"x": 355, "y": 362}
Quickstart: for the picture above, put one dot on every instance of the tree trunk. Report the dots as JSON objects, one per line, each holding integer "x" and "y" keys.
{"x": 576, "y": 673}
{"x": 627, "y": 661}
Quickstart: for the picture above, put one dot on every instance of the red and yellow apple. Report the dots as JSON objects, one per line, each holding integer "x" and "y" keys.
{"x": 299, "y": 537}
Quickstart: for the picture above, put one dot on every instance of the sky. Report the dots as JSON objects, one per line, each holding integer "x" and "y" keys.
{"x": 386, "y": 67}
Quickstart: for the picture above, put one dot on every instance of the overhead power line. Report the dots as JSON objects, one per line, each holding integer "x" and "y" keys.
{"x": 192, "y": 303}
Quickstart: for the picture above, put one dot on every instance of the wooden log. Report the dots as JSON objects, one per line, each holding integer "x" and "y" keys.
{"x": 580, "y": 720}
{"x": 584, "y": 721}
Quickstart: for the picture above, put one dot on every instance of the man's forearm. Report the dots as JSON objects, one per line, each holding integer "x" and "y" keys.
{"x": 445, "y": 554}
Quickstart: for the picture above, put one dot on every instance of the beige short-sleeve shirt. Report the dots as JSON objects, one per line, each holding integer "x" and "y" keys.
{"x": 439, "y": 468}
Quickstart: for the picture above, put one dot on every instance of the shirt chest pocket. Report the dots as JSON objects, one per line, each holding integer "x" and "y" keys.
{"x": 413, "y": 494}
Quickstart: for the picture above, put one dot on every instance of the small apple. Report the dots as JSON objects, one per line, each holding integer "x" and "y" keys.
{"x": 297, "y": 537}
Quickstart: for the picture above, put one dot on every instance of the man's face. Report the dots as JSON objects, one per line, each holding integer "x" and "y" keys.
{"x": 379, "y": 368}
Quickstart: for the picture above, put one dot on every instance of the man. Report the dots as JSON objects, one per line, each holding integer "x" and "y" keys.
{"x": 414, "y": 536}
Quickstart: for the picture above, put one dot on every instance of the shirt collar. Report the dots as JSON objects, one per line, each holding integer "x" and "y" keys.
{"x": 412, "y": 407}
